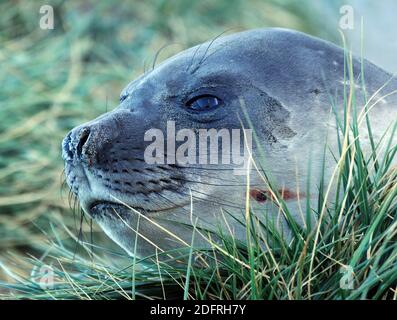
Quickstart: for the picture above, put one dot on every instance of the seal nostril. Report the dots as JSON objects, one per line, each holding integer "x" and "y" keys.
{"x": 84, "y": 134}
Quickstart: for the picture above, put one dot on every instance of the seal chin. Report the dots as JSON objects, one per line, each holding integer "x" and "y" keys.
{"x": 99, "y": 208}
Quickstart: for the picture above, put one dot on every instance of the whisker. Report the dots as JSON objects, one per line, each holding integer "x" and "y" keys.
{"x": 158, "y": 53}
{"x": 208, "y": 47}
{"x": 194, "y": 55}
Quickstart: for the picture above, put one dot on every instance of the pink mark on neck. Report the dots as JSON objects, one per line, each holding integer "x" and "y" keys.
{"x": 262, "y": 195}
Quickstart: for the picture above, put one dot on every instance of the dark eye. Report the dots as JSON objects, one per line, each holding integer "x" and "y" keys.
{"x": 203, "y": 103}
{"x": 123, "y": 97}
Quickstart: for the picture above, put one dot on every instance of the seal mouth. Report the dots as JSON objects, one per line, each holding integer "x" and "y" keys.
{"x": 100, "y": 206}
{"x": 97, "y": 208}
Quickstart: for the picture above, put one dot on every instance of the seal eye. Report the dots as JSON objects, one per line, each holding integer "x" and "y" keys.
{"x": 203, "y": 103}
{"x": 123, "y": 97}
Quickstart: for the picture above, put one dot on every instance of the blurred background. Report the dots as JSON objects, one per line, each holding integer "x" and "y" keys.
{"x": 53, "y": 80}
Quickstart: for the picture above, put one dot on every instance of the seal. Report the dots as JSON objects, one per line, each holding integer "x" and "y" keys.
{"x": 280, "y": 83}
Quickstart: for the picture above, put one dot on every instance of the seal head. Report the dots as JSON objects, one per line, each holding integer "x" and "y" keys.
{"x": 274, "y": 81}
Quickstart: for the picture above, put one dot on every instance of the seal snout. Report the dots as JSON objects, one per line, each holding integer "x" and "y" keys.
{"x": 74, "y": 144}
{"x": 67, "y": 153}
